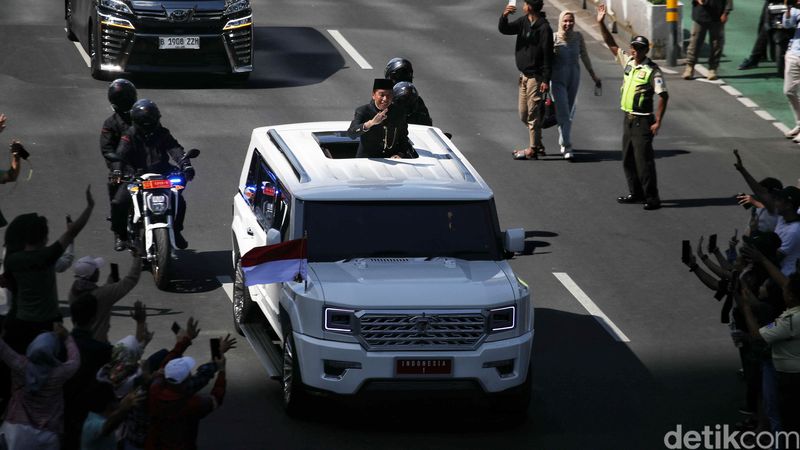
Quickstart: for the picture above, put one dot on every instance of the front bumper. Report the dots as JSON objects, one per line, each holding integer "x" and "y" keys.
{"x": 126, "y": 50}
{"x": 468, "y": 366}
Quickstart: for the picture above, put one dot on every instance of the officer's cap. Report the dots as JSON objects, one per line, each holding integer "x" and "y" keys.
{"x": 382, "y": 83}
{"x": 640, "y": 41}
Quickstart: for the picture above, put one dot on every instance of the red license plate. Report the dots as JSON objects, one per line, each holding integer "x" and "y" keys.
{"x": 424, "y": 366}
{"x": 156, "y": 184}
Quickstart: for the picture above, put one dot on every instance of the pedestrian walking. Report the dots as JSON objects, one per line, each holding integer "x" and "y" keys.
{"x": 568, "y": 47}
{"x": 708, "y": 17}
{"x": 642, "y": 80}
{"x": 791, "y": 74}
{"x": 534, "y": 56}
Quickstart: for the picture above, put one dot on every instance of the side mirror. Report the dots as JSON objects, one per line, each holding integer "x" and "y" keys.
{"x": 273, "y": 236}
{"x": 193, "y": 153}
{"x": 112, "y": 157}
{"x": 514, "y": 240}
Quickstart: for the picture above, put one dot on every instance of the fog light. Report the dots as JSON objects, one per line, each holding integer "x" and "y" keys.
{"x": 335, "y": 368}
{"x": 504, "y": 367}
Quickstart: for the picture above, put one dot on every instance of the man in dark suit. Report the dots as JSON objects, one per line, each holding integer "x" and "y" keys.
{"x": 383, "y": 131}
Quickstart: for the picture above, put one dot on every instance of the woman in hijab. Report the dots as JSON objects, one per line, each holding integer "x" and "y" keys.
{"x": 35, "y": 415}
{"x": 568, "y": 46}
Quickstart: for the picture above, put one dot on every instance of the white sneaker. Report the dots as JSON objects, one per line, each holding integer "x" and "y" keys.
{"x": 564, "y": 149}
{"x": 797, "y": 139}
{"x": 793, "y": 132}
{"x": 568, "y": 155}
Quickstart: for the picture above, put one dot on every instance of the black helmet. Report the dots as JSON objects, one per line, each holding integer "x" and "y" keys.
{"x": 145, "y": 115}
{"x": 399, "y": 69}
{"x": 121, "y": 95}
{"x": 404, "y": 93}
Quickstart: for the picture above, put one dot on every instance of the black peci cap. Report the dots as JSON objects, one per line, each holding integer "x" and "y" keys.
{"x": 382, "y": 83}
{"x": 640, "y": 41}
{"x": 790, "y": 194}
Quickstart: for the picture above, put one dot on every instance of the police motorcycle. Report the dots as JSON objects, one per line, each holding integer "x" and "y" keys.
{"x": 150, "y": 222}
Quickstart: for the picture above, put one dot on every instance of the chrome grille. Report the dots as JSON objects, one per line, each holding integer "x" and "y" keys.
{"x": 114, "y": 43}
{"x": 428, "y": 331}
{"x": 241, "y": 44}
{"x": 151, "y": 14}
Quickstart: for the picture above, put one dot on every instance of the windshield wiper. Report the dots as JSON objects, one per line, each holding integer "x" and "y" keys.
{"x": 379, "y": 254}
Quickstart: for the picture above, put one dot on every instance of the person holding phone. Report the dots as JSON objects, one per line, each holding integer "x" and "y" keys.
{"x": 87, "y": 274}
{"x": 10, "y": 175}
{"x": 534, "y": 58}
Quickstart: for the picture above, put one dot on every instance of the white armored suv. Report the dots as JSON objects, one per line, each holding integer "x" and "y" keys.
{"x": 407, "y": 286}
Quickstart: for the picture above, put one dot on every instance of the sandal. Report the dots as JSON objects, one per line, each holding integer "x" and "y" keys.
{"x": 521, "y": 154}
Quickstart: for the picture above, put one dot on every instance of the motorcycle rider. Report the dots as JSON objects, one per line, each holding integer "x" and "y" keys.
{"x": 146, "y": 148}
{"x": 399, "y": 70}
{"x": 122, "y": 95}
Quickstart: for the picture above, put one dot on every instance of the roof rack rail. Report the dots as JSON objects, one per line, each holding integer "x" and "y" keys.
{"x": 297, "y": 168}
{"x": 464, "y": 170}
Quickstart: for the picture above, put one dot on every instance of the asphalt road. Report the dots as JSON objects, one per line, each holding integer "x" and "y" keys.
{"x": 591, "y": 391}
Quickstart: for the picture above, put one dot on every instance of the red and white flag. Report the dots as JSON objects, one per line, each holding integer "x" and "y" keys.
{"x": 286, "y": 261}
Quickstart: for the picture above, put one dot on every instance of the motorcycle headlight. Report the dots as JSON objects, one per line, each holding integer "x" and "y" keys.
{"x": 158, "y": 204}
{"x": 116, "y": 5}
{"x": 237, "y": 6}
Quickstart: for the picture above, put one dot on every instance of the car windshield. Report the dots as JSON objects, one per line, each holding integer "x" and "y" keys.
{"x": 345, "y": 230}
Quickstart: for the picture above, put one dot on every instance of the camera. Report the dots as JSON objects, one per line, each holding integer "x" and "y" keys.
{"x": 19, "y": 150}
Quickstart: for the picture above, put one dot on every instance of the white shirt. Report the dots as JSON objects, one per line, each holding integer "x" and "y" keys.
{"x": 784, "y": 337}
{"x": 792, "y": 22}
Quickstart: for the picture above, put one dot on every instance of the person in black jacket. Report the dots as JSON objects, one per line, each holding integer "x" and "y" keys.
{"x": 709, "y": 16}
{"x": 399, "y": 70}
{"x": 534, "y": 55}
{"x": 122, "y": 95}
{"x": 147, "y": 148}
{"x": 383, "y": 131}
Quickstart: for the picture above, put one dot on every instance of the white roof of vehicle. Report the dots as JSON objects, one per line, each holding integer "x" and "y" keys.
{"x": 440, "y": 173}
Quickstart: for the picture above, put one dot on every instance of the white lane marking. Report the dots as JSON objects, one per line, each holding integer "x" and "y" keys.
{"x": 590, "y": 306}
{"x": 779, "y": 125}
{"x": 668, "y": 70}
{"x": 82, "y": 52}
{"x": 227, "y": 285}
{"x": 765, "y": 115}
{"x": 701, "y": 70}
{"x": 747, "y": 102}
{"x": 706, "y": 80}
{"x": 350, "y": 49}
{"x": 731, "y": 90}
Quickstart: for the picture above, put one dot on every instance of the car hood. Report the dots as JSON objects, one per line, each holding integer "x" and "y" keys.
{"x": 198, "y": 5}
{"x": 412, "y": 283}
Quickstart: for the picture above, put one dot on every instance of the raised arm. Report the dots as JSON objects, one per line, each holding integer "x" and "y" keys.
{"x": 607, "y": 38}
{"x": 506, "y": 27}
{"x": 757, "y": 189}
{"x": 75, "y": 227}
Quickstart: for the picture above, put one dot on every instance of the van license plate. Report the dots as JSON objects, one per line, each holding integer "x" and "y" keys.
{"x": 179, "y": 42}
{"x": 424, "y": 366}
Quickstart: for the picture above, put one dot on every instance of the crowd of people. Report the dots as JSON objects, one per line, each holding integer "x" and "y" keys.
{"x": 758, "y": 284}
{"x": 75, "y": 389}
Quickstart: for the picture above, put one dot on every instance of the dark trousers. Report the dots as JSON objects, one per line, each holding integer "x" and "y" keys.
{"x": 716, "y": 32}
{"x": 789, "y": 400}
{"x": 123, "y": 203}
{"x": 638, "y": 157}
{"x": 759, "y": 51}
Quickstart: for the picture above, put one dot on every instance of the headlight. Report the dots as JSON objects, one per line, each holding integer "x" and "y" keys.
{"x": 115, "y": 22}
{"x": 158, "y": 204}
{"x": 239, "y": 23}
{"x": 501, "y": 319}
{"x": 339, "y": 320}
{"x": 116, "y": 5}
{"x": 236, "y": 6}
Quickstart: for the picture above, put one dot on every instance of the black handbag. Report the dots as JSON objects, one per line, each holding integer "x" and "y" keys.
{"x": 549, "y": 116}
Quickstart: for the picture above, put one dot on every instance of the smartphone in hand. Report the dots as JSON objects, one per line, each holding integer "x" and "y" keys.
{"x": 175, "y": 327}
{"x": 115, "y": 272}
{"x": 712, "y": 243}
{"x": 215, "y": 353}
{"x": 686, "y": 256}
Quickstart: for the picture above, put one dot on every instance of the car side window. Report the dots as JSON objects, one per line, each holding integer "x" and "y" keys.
{"x": 269, "y": 202}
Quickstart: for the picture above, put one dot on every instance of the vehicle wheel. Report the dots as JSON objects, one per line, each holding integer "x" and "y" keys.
{"x": 67, "y": 18}
{"x": 94, "y": 55}
{"x": 295, "y": 397}
{"x": 244, "y": 310}
{"x": 163, "y": 252}
{"x": 515, "y": 401}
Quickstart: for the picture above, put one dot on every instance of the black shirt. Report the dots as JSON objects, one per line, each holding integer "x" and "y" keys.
{"x": 385, "y": 139}
{"x": 534, "y": 47}
{"x": 151, "y": 153}
{"x": 113, "y": 129}
{"x": 418, "y": 114}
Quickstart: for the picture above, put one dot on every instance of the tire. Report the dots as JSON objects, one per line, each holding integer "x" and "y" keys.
{"x": 295, "y": 397}
{"x": 67, "y": 18}
{"x": 163, "y": 251}
{"x": 243, "y": 308}
{"x": 94, "y": 55}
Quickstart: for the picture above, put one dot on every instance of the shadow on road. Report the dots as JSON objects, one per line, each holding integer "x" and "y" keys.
{"x": 586, "y": 156}
{"x": 532, "y": 245}
{"x": 283, "y": 57}
{"x": 698, "y": 202}
{"x": 198, "y": 271}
